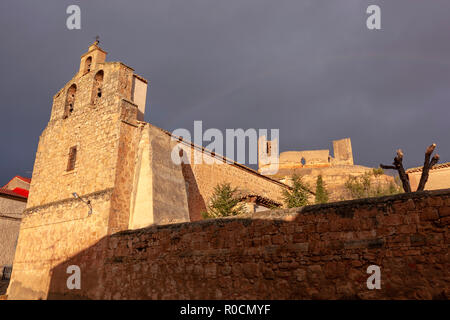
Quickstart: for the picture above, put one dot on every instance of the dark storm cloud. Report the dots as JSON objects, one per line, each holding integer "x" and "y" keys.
{"x": 310, "y": 68}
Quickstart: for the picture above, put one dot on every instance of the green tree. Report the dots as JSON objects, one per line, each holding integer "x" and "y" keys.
{"x": 298, "y": 196}
{"x": 321, "y": 192}
{"x": 224, "y": 202}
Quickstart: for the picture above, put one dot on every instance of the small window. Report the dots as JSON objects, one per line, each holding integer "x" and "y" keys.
{"x": 70, "y": 100}
{"x": 87, "y": 64}
{"x": 303, "y": 161}
{"x": 72, "y": 159}
{"x": 98, "y": 87}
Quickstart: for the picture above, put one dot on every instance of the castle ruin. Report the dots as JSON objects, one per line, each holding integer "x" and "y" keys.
{"x": 309, "y": 164}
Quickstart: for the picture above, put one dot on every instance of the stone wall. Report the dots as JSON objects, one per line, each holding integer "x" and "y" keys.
{"x": 12, "y": 204}
{"x": 168, "y": 192}
{"x": 315, "y": 252}
{"x": 202, "y": 178}
{"x": 159, "y": 191}
{"x": 52, "y": 234}
{"x": 9, "y": 231}
{"x": 11, "y": 209}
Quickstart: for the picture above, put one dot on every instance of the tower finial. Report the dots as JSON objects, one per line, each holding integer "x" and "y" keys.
{"x": 97, "y": 40}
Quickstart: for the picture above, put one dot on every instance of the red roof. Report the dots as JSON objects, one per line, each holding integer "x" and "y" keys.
{"x": 22, "y": 192}
{"x": 27, "y": 180}
{"x": 17, "y": 192}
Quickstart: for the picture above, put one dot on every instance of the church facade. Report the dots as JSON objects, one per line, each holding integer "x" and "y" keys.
{"x": 101, "y": 169}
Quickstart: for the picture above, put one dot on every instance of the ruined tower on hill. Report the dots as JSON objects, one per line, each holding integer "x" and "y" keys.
{"x": 309, "y": 164}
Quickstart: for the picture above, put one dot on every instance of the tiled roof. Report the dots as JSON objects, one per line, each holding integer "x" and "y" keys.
{"x": 27, "y": 180}
{"x": 13, "y": 193}
{"x": 21, "y": 191}
{"x": 262, "y": 200}
{"x": 438, "y": 166}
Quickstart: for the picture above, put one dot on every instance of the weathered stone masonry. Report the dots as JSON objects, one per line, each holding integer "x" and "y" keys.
{"x": 315, "y": 252}
{"x": 97, "y": 146}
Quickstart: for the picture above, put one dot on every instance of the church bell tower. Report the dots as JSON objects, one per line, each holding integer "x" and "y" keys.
{"x": 83, "y": 172}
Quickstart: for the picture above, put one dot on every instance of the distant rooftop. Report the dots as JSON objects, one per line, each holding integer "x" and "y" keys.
{"x": 17, "y": 192}
{"x": 11, "y": 189}
{"x": 438, "y": 166}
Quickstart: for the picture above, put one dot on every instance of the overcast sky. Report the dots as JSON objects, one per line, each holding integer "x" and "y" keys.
{"x": 310, "y": 68}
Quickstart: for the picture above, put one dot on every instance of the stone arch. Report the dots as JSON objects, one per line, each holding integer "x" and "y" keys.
{"x": 97, "y": 89}
{"x": 87, "y": 64}
{"x": 70, "y": 100}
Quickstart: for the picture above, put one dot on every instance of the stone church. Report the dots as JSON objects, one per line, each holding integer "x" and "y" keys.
{"x": 100, "y": 169}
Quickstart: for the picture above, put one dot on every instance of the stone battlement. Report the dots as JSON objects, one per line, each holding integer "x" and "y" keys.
{"x": 342, "y": 149}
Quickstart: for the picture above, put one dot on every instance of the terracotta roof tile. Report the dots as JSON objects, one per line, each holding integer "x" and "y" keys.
{"x": 27, "y": 180}
{"x": 261, "y": 200}
{"x": 21, "y": 191}
{"x": 12, "y": 193}
{"x": 437, "y": 166}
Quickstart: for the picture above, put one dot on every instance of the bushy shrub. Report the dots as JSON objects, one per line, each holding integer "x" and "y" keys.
{"x": 298, "y": 196}
{"x": 224, "y": 202}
